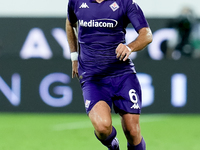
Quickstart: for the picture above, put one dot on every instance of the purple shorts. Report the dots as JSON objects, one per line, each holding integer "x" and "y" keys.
{"x": 123, "y": 92}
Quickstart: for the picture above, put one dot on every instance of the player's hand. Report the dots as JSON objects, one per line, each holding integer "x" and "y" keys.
{"x": 75, "y": 69}
{"x": 122, "y": 52}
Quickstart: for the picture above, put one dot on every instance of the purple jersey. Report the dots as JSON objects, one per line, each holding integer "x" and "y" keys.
{"x": 101, "y": 29}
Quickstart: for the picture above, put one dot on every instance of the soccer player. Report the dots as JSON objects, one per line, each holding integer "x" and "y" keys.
{"x": 100, "y": 59}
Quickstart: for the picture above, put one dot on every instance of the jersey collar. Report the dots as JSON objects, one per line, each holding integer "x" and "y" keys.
{"x": 94, "y": 1}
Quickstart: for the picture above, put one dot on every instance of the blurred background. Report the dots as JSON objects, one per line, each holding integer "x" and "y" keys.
{"x": 41, "y": 106}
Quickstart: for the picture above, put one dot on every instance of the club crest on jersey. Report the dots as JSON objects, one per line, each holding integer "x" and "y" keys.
{"x": 114, "y": 6}
{"x": 87, "y": 103}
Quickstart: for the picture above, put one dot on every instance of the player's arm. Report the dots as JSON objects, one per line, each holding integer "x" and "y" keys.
{"x": 71, "y": 30}
{"x": 143, "y": 39}
{"x": 140, "y": 24}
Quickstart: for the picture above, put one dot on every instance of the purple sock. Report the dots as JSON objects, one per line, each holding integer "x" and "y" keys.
{"x": 107, "y": 142}
{"x": 141, "y": 146}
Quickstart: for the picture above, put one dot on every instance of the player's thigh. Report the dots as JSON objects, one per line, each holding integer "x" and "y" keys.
{"x": 100, "y": 116}
{"x": 131, "y": 127}
{"x": 130, "y": 121}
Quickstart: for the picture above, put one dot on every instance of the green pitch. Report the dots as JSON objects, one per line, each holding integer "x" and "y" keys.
{"x": 75, "y": 132}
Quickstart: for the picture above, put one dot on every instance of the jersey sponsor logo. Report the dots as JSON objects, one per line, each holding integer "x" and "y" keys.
{"x": 103, "y": 23}
{"x": 134, "y": 99}
{"x": 84, "y": 5}
{"x": 114, "y": 6}
{"x": 87, "y": 103}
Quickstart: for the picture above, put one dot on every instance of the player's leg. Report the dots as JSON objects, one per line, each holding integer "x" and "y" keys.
{"x": 131, "y": 128}
{"x": 128, "y": 104}
{"x": 100, "y": 116}
{"x": 99, "y": 112}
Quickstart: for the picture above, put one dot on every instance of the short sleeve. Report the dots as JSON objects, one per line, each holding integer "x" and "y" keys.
{"x": 136, "y": 15}
{"x": 71, "y": 12}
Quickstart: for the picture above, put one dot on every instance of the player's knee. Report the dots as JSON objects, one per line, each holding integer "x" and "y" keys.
{"x": 103, "y": 129}
{"x": 133, "y": 131}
